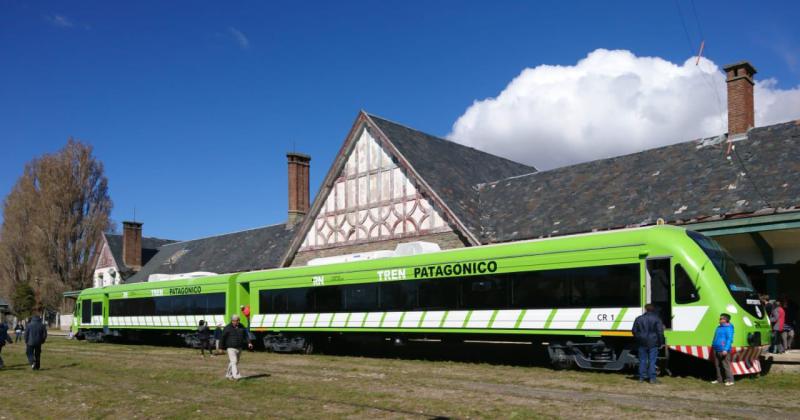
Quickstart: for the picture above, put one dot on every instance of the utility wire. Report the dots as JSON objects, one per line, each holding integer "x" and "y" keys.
{"x": 710, "y": 82}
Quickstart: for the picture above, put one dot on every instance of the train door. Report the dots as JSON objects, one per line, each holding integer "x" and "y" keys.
{"x": 658, "y": 290}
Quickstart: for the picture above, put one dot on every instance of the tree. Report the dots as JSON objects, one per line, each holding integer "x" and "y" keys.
{"x": 24, "y": 301}
{"x": 52, "y": 224}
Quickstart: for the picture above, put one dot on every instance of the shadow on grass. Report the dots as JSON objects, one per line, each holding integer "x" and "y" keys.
{"x": 256, "y": 376}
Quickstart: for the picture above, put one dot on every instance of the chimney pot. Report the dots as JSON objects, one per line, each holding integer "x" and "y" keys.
{"x": 741, "y": 111}
{"x": 299, "y": 165}
{"x": 132, "y": 245}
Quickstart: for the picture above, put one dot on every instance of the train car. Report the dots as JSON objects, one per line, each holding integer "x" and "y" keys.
{"x": 142, "y": 310}
{"x": 578, "y": 295}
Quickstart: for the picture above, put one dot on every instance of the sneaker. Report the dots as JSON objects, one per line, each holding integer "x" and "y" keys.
{"x": 654, "y": 381}
{"x": 715, "y": 382}
{"x": 728, "y": 383}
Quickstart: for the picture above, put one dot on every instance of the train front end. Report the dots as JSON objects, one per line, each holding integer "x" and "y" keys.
{"x": 731, "y": 293}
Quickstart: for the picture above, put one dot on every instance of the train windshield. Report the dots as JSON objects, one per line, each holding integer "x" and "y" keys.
{"x": 735, "y": 278}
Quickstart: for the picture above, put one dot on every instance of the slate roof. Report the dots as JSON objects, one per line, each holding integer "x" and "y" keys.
{"x": 248, "y": 250}
{"x": 149, "y": 249}
{"x": 452, "y": 170}
{"x": 680, "y": 183}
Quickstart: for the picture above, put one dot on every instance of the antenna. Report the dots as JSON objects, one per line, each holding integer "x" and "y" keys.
{"x": 134, "y": 213}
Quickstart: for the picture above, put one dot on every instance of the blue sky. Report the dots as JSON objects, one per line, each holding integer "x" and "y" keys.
{"x": 192, "y": 105}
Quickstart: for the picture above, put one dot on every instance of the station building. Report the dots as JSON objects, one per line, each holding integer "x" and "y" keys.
{"x": 391, "y": 184}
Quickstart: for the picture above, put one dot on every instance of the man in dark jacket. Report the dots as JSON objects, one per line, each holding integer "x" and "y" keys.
{"x": 35, "y": 336}
{"x": 3, "y": 339}
{"x": 649, "y": 333}
{"x": 234, "y": 338}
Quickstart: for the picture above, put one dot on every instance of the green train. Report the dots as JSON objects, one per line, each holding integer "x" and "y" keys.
{"x": 578, "y": 295}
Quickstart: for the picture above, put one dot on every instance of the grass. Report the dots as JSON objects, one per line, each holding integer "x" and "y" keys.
{"x": 85, "y": 380}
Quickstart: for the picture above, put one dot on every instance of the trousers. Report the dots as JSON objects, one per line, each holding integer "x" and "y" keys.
{"x": 233, "y": 364}
{"x": 647, "y": 362}
{"x": 723, "y": 365}
{"x": 34, "y": 354}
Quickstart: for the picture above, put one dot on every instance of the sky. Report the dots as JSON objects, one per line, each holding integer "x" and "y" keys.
{"x": 192, "y": 106}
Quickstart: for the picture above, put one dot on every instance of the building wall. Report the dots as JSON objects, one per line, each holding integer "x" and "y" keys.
{"x": 445, "y": 240}
{"x": 106, "y": 272}
{"x": 373, "y": 199}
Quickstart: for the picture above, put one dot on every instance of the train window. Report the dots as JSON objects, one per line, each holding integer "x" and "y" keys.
{"x": 607, "y": 287}
{"x": 86, "y": 312}
{"x": 685, "y": 292}
{"x": 438, "y": 294}
{"x": 540, "y": 289}
{"x": 215, "y": 303}
{"x": 361, "y": 297}
{"x": 290, "y": 300}
{"x": 327, "y": 299}
{"x": 398, "y": 295}
{"x": 484, "y": 292}
{"x": 97, "y": 308}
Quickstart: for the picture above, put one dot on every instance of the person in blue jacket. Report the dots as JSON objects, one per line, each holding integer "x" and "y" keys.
{"x": 723, "y": 338}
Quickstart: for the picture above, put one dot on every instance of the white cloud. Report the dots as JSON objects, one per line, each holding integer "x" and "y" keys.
{"x": 60, "y": 20}
{"x": 608, "y": 104}
{"x": 239, "y": 37}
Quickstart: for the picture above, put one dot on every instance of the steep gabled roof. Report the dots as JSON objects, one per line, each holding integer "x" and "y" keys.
{"x": 248, "y": 250}
{"x": 447, "y": 173}
{"x": 679, "y": 183}
{"x": 452, "y": 170}
{"x": 150, "y": 247}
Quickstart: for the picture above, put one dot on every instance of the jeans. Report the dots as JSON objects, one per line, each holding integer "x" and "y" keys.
{"x": 18, "y": 337}
{"x": 233, "y": 364}
{"x": 723, "y": 364}
{"x": 647, "y": 363}
{"x": 787, "y": 337}
{"x": 777, "y": 343}
{"x": 34, "y": 354}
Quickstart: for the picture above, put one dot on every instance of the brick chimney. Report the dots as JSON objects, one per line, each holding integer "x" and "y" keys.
{"x": 298, "y": 187}
{"x": 132, "y": 245}
{"x": 741, "y": 113}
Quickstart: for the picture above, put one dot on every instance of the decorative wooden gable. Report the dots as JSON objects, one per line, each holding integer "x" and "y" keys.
{"x": 373, "y": 198}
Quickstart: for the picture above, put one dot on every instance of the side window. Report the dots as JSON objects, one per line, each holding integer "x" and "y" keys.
{"x": 398, "y": 295}
{"x": 97, "y": 308}
{"x": 86, "y": 312}
{"x": 685, "y": 292}
{"x": 484, "y": 292}
{"x": 327, "y": 299}
{"x": 361, "y": 297}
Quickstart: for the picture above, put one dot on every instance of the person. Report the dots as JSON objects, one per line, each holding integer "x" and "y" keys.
{"x": 217, "y": 337}
{"x": 35, "y": 336}
{"x": 777, "y": 318}
{"x": 723, "y": 339}
{"x": 648, "y": 330}
{"x": 789, "y": 324}
{"x": 204, "y": 335}
{"x": 18, "y": 330}
{"x": 234, "y": 338}
{"x": 4, "y": 338}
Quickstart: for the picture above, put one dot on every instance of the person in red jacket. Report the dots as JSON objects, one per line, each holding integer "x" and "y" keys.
{"x": 777, "y": 318}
